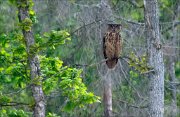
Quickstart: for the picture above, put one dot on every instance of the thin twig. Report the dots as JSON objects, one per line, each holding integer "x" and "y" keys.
{"x": 170, "y": 27}
{"x": 148, "y": 71}
{"x": 129, "y": 21}
{"x": 131, "y": 85}
{"x": 14, "y": 104}
{"x": 132, "y": 105}
{"x": 16, "y": 92}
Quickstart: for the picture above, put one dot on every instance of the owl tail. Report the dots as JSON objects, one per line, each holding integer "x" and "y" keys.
{"x": 111, "y": 63}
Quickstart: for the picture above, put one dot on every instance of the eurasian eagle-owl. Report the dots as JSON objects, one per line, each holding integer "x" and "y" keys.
{"x": 112, "y": 45}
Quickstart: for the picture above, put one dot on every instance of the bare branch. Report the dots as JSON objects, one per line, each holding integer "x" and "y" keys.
{"x": 170, "y": 27}
{"x": 132, "y": 105}
{"x": 14, "y": 104}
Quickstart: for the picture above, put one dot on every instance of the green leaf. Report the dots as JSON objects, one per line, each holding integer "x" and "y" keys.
{"x": 31, "y": 12}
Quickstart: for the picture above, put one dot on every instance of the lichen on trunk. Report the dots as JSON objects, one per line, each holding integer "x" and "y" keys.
{"x": 34, "y": 65}
{"x": 156, "y": 78}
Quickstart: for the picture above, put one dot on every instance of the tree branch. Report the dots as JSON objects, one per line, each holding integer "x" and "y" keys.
{"x": 129, "y": 21}
{"x": 170, "y": 27}
{"x": 13, "y": 104}
{"x": 134, "y": 3}
{"x": 132, "y": 105}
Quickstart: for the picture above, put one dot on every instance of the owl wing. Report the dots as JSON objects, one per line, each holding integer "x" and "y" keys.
{"x": 104, "y": 46}
{"x": 118, "y": 46}
{"x": 109, "y": 48}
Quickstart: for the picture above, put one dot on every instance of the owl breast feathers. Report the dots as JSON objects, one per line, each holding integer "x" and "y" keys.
{"x": 112, "y": 45}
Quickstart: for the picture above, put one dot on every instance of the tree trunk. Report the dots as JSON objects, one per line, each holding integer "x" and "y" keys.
{"x": 106, "y": 16}
{"x": 39, "y": 107}
{"x": 156, "y": 78}
{"x": 107, "y": 96}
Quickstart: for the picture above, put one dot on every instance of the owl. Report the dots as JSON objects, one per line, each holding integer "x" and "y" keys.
{"x": 112, "y": 45}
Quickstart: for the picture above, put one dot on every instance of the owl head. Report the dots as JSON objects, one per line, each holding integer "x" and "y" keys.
{"x": 114, "y": 27}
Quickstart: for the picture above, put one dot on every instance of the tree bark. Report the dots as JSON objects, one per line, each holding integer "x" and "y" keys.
{"x": 106, "y": 16}
{"x": 39, "y": 107}
{"x": 107, "y": 96}
{"x": 156, "y": 78}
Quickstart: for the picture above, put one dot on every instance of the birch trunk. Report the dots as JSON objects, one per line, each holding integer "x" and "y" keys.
{"x": 39, "y": 108}
{"x": 156, "y": 78}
